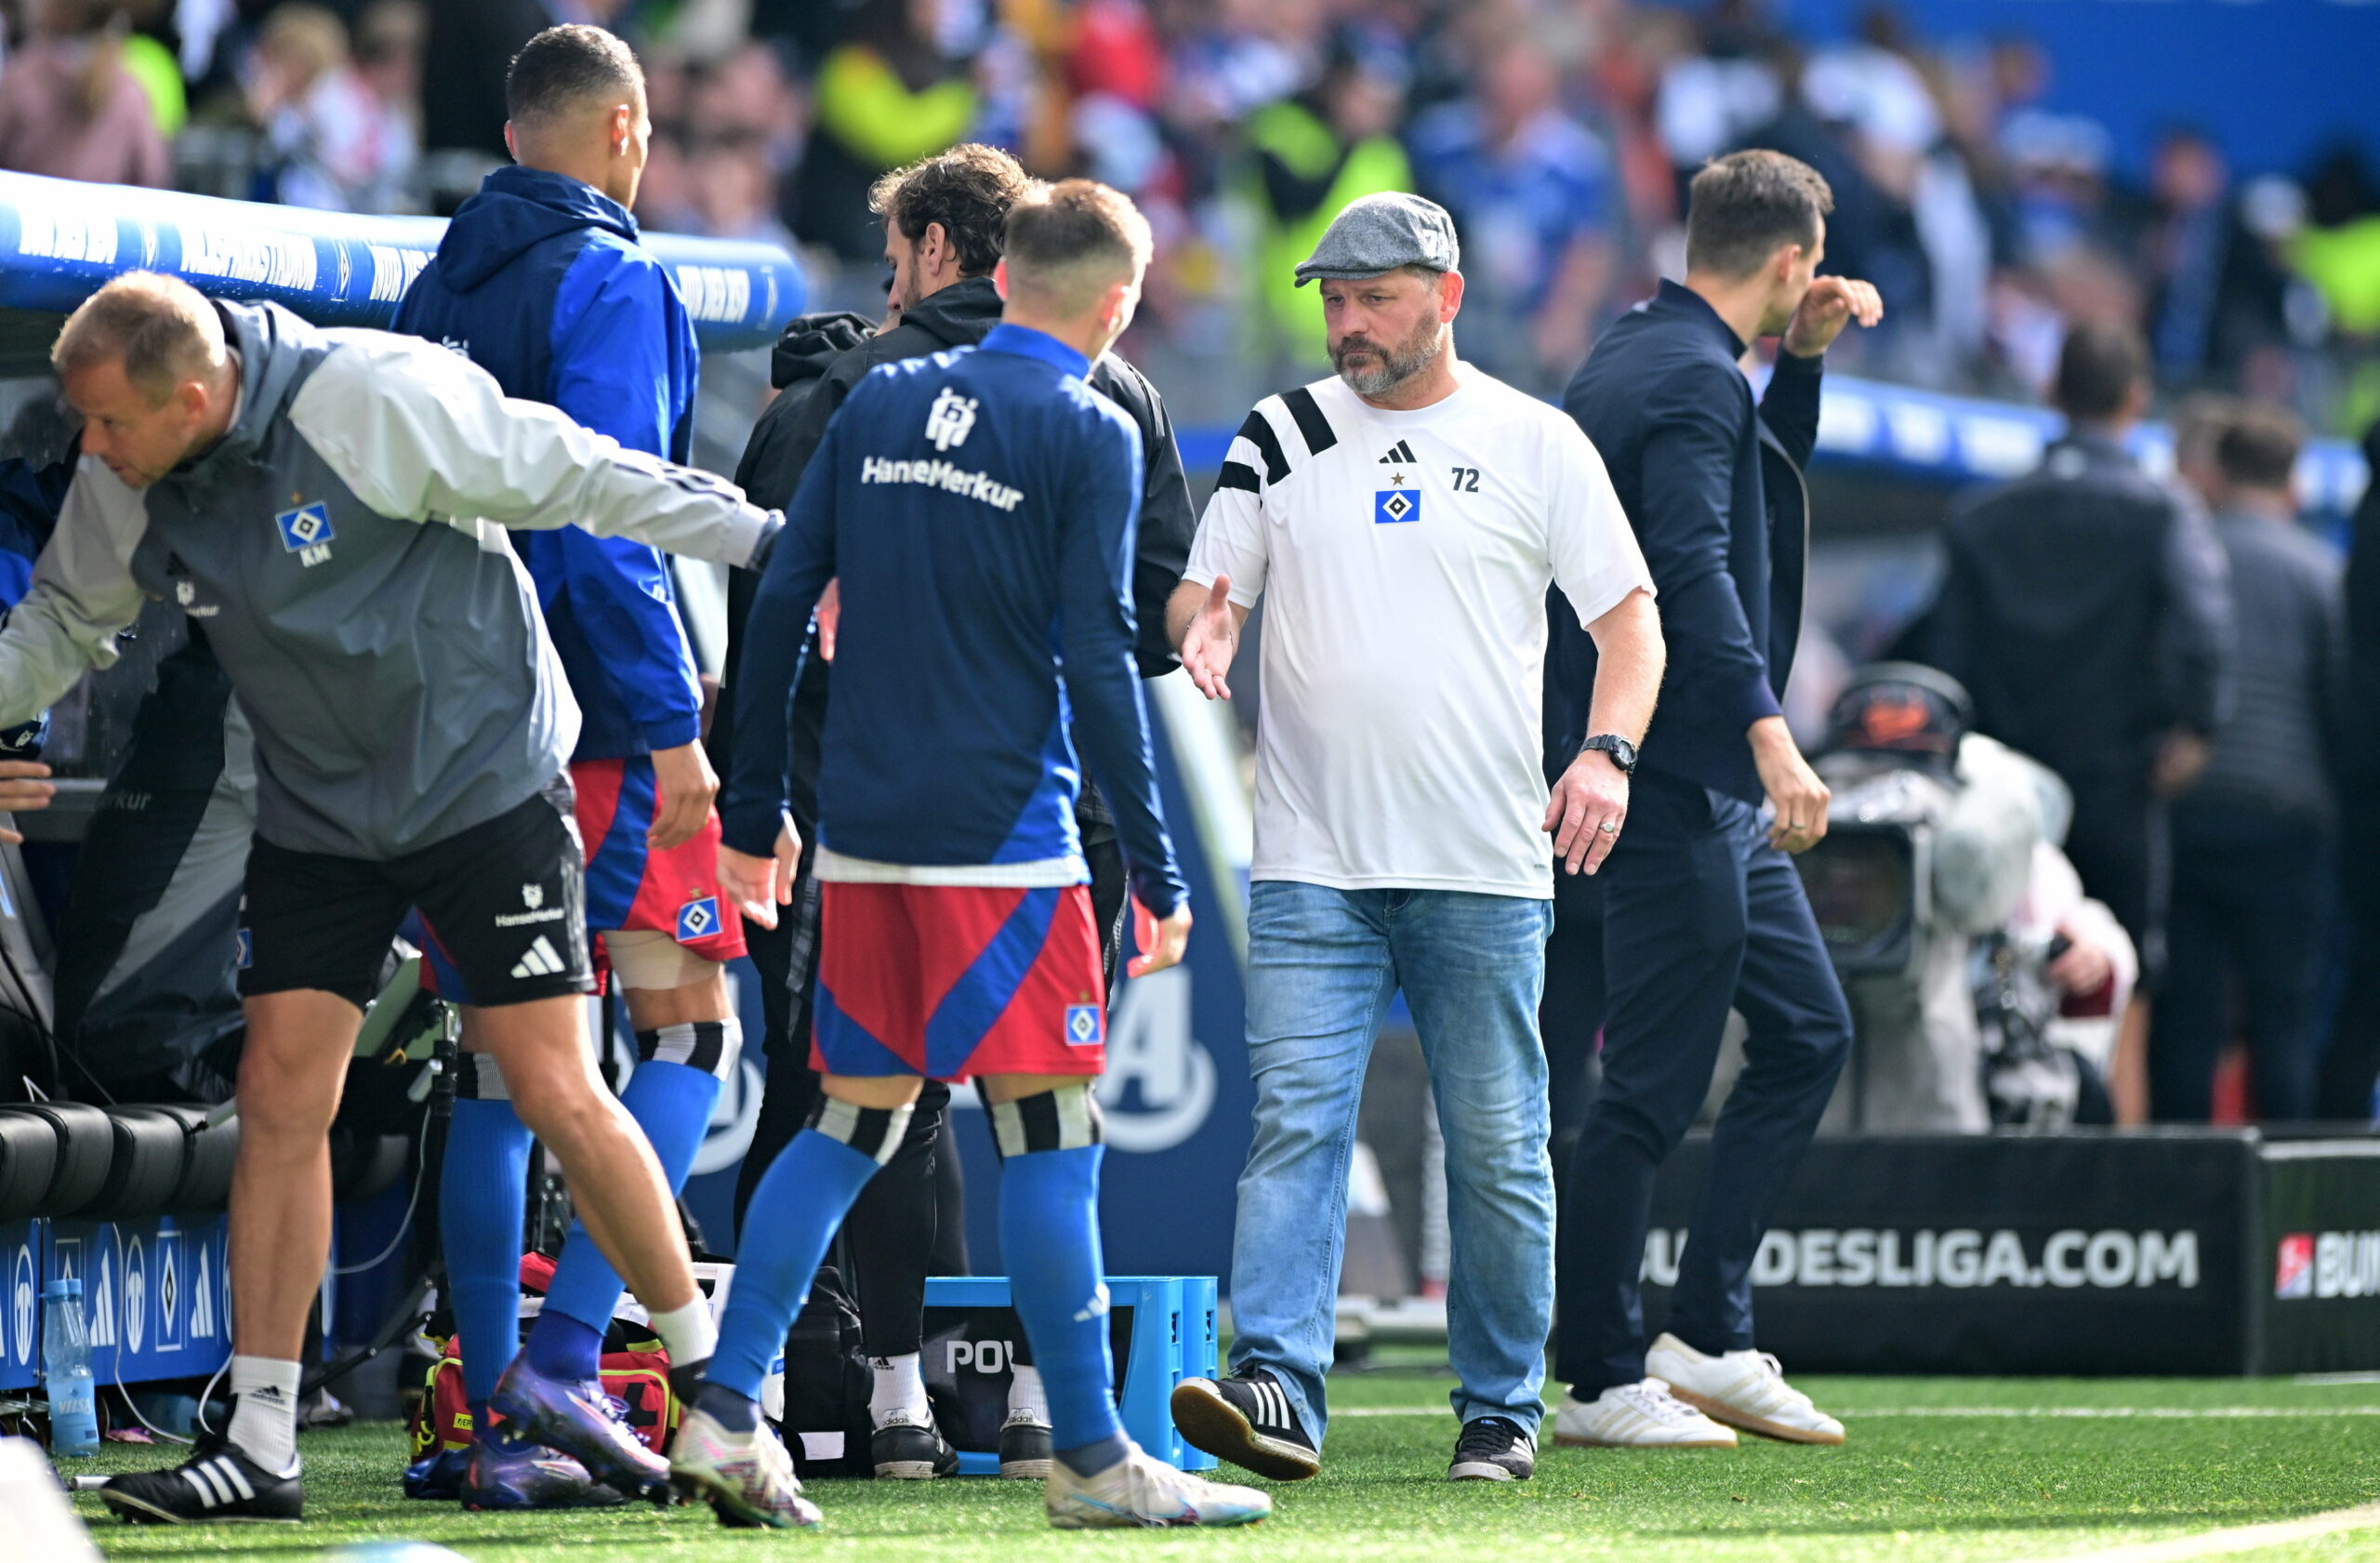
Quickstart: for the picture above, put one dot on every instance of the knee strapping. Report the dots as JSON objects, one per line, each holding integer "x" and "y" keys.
{"x": 872, "y": 1132}
{"x": 478, "y": 1079}
{"x": 1066, "y": 1118}
{"x": 711, "y": 1046}
{"x": 648, "y": 957}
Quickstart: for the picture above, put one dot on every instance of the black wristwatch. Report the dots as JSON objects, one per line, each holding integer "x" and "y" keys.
{"x": 1622, "y": 752}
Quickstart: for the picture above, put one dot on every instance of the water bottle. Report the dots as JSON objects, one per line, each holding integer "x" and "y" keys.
{"x": 66, "y": 1365}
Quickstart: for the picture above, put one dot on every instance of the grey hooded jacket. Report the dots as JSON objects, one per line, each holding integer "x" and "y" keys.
{"x": 344, "y": 545}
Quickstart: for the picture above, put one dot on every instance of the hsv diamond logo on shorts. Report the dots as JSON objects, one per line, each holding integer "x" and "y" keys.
{"x": 697, "y": 919}
{"x": 307, "y": 532}
{"x": 1084, "y": 1027}
{"x": 1395, "y": 504}
{"x": 2292, "y": 1270}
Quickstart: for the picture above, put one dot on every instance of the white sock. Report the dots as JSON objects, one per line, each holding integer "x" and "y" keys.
{"x": 689, "y": 1334}
{"x": 264, "y": 1421}
{"x": 1024, "y": 1395}
{"x": 900, "y": 1391}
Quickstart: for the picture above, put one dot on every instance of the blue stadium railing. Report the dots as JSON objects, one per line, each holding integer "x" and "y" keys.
{"x": 59, "y": 241}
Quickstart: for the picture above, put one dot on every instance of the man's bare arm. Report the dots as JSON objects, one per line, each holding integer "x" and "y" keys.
{"x": 1590, "y": 802}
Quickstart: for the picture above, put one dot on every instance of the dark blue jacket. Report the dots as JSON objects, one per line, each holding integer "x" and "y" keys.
{"x": 541, "y": 282}
{"x": 1712, "y": 485}
{"x": 978, "y": 506}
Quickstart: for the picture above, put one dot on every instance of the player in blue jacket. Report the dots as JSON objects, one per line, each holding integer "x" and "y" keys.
{"x": 978, "y": 508}
{"x": 541, "y": 281}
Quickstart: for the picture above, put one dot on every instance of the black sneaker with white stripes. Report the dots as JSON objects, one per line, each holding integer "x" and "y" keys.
{"x": 1025, "y": 1448}
{"x": 1493, "y": 1448}
{"x": 905, "y": 1450}
{"x": 1247, "y": 1420}
{"x": 215, "y": 1485}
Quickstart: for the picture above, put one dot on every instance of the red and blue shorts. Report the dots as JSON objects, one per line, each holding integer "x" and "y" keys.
{"x": 629, "y": 885}
{"x": 955, "y": 981}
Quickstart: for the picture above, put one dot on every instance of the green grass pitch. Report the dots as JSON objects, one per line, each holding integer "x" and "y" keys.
{"x": 1912, "y": 1485}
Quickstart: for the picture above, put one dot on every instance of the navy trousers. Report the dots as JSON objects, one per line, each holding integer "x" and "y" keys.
{"x": 1699, "y": 916}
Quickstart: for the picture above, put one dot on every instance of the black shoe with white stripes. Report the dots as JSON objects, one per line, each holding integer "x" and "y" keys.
{"x": 1493, "y": 1448}
{"x": 905, "y": 1450}
{"x": 1247, "y": 1420}
{"x": 215, "y": 1485}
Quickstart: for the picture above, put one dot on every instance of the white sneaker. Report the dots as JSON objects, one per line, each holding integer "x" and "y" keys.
{"x": 1636, "y": 1416}
{"x": 1140, "y": 1493}
{"x": 1745, "y": 1389}
{"x": 746, "y": 1478}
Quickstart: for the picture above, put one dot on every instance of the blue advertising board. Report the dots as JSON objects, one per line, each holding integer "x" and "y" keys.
{"x": 157, "y": 1293}
{"x": 19, "y": 1304}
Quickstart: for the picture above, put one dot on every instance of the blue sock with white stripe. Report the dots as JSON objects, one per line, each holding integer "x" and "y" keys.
{"x": 483, "y": 1201}
{"x": 672, "y": 1103}
{"x": 799, "y": 1203}
{"x": 1050, "y": 1241}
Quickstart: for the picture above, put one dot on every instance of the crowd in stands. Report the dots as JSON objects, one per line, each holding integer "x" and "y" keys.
{"x": 1560, "y": 132}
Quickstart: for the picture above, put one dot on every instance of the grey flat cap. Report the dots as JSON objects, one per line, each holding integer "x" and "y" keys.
{"x": 1381, "y": 232}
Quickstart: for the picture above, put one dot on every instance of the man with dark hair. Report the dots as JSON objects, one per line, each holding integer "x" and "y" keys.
{"x": 2084, "y": 606}
{"x": 2253, "y": 843}
{"x": 947, "y": 841}
{"x": 541, "y": 281}
{"x": 944, "y": 223}
{"x": 1700, "y": 909}
{"x": 412, "y": 731}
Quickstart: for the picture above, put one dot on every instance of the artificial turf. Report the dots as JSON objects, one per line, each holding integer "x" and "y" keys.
{"x": 1912, "y": 1487}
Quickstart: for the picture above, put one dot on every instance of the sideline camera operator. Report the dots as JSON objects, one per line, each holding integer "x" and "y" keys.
{"x": 1982, "y": 984}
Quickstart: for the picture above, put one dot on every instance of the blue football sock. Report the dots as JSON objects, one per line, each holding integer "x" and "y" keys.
{"x": 560, "y": 1348}
{"x": 1050, "y": 1239}
{"x": 799, "y": 1203}
{"x": 737, "y": 1413}
{"x": 482, "y": 1200}
{"x": 673, "y": 1104}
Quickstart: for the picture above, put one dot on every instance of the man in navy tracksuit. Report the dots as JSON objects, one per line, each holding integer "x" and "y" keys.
{"x": 1700, "y": 907}
{"x": 978, "y": 508}
{"x": 540, "y": 280}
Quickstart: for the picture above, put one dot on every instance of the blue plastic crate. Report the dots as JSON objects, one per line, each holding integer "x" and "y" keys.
{"x": 1161, "y": 1331}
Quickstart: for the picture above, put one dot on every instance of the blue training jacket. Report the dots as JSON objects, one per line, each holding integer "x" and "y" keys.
{"x": 979, "y": 508}
{"x": 541, "y": 282}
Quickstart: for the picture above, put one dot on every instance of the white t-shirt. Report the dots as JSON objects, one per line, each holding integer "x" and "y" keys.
{"x": 1404, "y": 558}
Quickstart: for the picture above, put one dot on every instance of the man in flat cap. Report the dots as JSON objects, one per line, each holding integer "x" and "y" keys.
{"x": 1404, "y": 520}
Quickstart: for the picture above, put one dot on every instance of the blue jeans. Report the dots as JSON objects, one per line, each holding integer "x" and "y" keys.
{"x": 1322, "y": 965}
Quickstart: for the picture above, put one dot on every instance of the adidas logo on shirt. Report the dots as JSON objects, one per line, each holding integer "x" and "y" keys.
{"x": 1399, "y": 455}
{"x": 541, "y": 960}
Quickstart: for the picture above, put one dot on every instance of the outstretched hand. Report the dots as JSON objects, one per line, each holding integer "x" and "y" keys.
{"x": 1830, "y": 305}
{"x": 1213, "y": 640}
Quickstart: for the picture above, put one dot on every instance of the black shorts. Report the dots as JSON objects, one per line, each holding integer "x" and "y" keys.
{"x": 505, "y": 900}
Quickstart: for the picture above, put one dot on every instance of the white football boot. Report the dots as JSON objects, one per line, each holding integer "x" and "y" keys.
{"x": 746, "y": 1478}
{"x": 1142, "y": 1492}
{"x": 1745, "y": 1389}
{"x": 1636, "y": 1416}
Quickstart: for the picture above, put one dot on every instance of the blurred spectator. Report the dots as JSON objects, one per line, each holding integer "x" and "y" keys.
{"x": 1531, "y": 190}
{"x": 2084, "y": 609}
{"x": 334, "y": 141}
{"x": 2252, "y": 840}
{"x": 2352, "y": 1063}
{"x": 885, "y": 97}
{"x": 471, "y": 47}
{"x": 2213, "y": 293}
{"x": 1311, "y": 155}
{"x": 71, "y": 109}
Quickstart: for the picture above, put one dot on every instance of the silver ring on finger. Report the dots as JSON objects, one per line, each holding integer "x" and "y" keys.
{"x": 1609, "y": 827}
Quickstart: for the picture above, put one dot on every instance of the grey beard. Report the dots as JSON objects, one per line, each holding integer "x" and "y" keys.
{"x": 1396, "y": 369}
